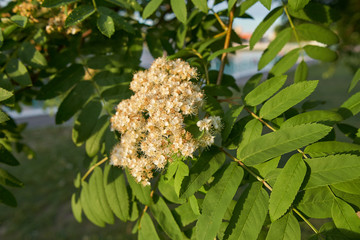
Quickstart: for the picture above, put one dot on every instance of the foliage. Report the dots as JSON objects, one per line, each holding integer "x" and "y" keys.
{"x": 289, "y": 167}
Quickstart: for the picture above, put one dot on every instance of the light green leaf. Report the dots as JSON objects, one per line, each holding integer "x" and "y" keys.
{"x": 20, "y": 21}
{"x": 17, "y": 71}
{"x": 249, "y": 214}
{"x": 301, "y": 72}
{"x": 217, "y": 199}
{"x": 265, "y": 25}
{"x": 79, "y": 14}
{"x": 350, "y": 107}
{"x": 8, "y": 179}
{"x": 287, "y": 98}
{"x": 147, "y": 230}
{"x": 352, "y": 187}
{"x": 128, "y": 4}
{"x": 179, "y": 9}
{"x": 116, "y": 192}
{"x": 3, "y": 117}
{"x": 201, "y": 5}
{"x": 285, "y": 63}
{"x": 167, "y": 189}
{"x": 29, "y": 55}
{"x": 275, "y": 47}
{"x": 285, "y": 228}
{"x": 74, "y": 101}
{"x": 263, "y": 169}
{"x": 194, "y": 205}
{"x": 56, "y": 3}
{"x": 320, "y": 53}
{"x": 5, "y": 94}
{"x": 229, "y": 120}
{"x": 86, "y": 203}
{"x": 141, "y": 193}
{"x": 324, "y": 116}
{"x": 282, "y": 141}
{"x": 93, "y": 143}
{"x": 266, "y": 3}
{"x": 227, "y": 50}
{"x": 332, "y": 169}
{"x": 76, "y": 207}
{"x": 286, "y": 186}
{"x": 345, "y": 218}
{"x": 322, "y": 149}
{"x": 298, "y": 4}
{"x": 166, "y": 220}
{"x": 231, "y": 4}
{"x": 310, "y": 31}
{"x": 209, "y": 162}
{"x": 181, "y": 173}
{"x": 265, "y": 90}
{"x": 151, "y": 8}
{"x": 181, "y": 35}
{"x": 184, "y": 214}
{"x": 355, "y": 80}
{"x": 105, "y": 24}
{"x": 316, "y": 202}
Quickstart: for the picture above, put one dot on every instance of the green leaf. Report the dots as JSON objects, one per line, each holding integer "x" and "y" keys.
{"x": 282, "y": 141}
{"x": 274, "y": 47}
{"x": 287, "y": 98}
{"x": 353, "y": 199}
{"x": 355, "y": 80}
{"x": 184, "y": 214}
{"x": 8, "y": 179}
{"x": 5, "y": 94}
{"x": 29, "y": 55}
{"x": 285, "y": 63}
{"x": 166, "y": 220}
{"x": 352, "y": 187}
{"x": 265, "y": 90}
{"x": 17, "y": 71}
{"x": 217, "y": 199}
{"x": 97, "y": 196}
{"x": 317, "y": 12}
{"x": 285, "y": 228}
{"x": 320, "y": 53}
{"x": 1, "y": 38}
{"x": 167, "y": 189}
{"x": 201, "y": 5}
{"x": 309, "y": 31}
{"x": 116, "y": 192}
{"x": 231, "y": 4}
{"x": 301, "y": 72}
{"x": 20, "y": 21}
{"x": 252, "y": 83}
{"x": 179, "y": 9}
{"x": 3, "y": 117}
{"x": 76, "y": 207}
{"x": 194, "y": 205}
{"x": 181, "y": 172}
{"x": 263, "y": 169}
{"x": 213, "y": 107}
{"x": 56, "y": 3}
{"x": 128, "y": 4}
{"x": 332, "y": 169}
{"x": 86, "y": 203}
{"x": 227, "y": 50}
{"x": 79, "y": 14}
{"x": 151, "y": 8}
{"x": 265, "y": 25}
{"x": 6, "y": 157}
{"x": 245, "y": 5}
{"x": 6, "y": 197}
{"x": 62, "y": 82}
{"x": 350, "y": 107}
{"x": 266, "y": 3}
{"x": 345, "y": 218}
{"x": 252, "y": 130}
{"x": 94, "y": 142}
{"x": 147, "y": 230}
{"x": 316, "y": 202}
{"x": 286, "y": 186}
{"x": 141, "y": 193}
{"x": 209, "y": 162}
{"x": 105, "y": 24}
{"x": 324, "y": 116}
{"x": 74, "y": 101}
{"x": 181, "y": 35}
{"x": 322, "y": 149}
{"x": 229, "y": 120}
{"x": 298, "y": 4}
{"x": 86, "y": 121}
{"x": 249, "y": 214}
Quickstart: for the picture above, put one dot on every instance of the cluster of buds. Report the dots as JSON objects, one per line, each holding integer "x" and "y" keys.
{"x": 151, "y": 122}
{"x": 57, "y": 23}
{"x": 27, "y": 8}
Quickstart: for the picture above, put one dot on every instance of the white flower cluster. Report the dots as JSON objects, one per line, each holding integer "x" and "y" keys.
{"x": 151, "y": 122}
{"x": 209, "y": 126}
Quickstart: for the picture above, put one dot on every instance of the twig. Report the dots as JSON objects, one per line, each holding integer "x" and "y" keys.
{"x": 93, "y": 167}
{"x": 145, "y": 209}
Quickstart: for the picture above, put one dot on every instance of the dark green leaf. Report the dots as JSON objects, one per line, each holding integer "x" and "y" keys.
{"x": 322, "y": 149}
{"x": 265, "y": 25}
{"x": 7, "y": 198}
{"x": 285, "y": 228}
{"x": 93, "y": 143}
{"x": 76, "y": 207}
{"x": 265, "y": 90}
{"x": 317, "y": 12}
{"x": 151, "y": 8}
{"x": 275, "y": 47}
{"x": 229, "y": 120}
{"x": 227, "y": 50}
{"x": 287, "y": 98}
{"x": 181, "y": 35}
{"x": 184, "y": 214}
{"x": 286, "y": 186}
{"x": 345, "y": 218}
{"x": 79, "y": 14}
{"x": 181, "y": 172}
{"x": 266, "y": 3}
{"x": 355, "y": 80}
{"x": 209, "y": 162}
{"x": 252, "y": 83}
{"x": 8, "y": 179}
{"x": 285, "y": 63}
{"x": 20, "y": 21}
{"x": 105, "y": 24}
{"x": 154, "y": 44}
{"x": 313, "y": 116}
{"x": 56, "y": 3}
{"x": 320, "y": 53}
{"x": 282, "y": 141}
{"x": 29, "y": 55}
{"x": 147, "y": 229}
{"x": 142, "y": 193}
{"x": 298, "y": 4}
{"x": 301, "y": 72}
{"x": 6, "y": 157}
{"x": 17, "y": 71}
{"x": 74, "y": 101}
{"x": 179, "y": 9}
{"x": 309, "y": 31}
{"x": 201, "y": 5}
